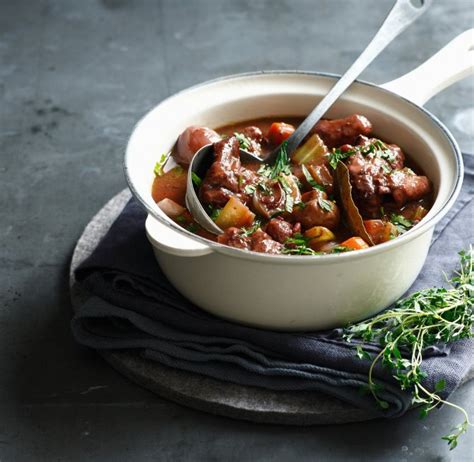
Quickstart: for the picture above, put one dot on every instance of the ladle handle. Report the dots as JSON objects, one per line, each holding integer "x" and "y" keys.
{"x": 403, "y": 13}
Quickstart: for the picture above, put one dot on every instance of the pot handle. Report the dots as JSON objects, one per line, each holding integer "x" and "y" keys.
{"x": 170, "y": 241}
{"x": 452, "y": 63}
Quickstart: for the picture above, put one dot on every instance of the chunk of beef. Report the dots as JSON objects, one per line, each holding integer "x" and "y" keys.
{"x": 190, "y": 141}
{"x": 373, "y": 177}
{"x": 406, "y": 186}
{"x": 392, "y": 153}
{"x": 279, "y": 229}
{"x": 253, "y": 133}
{"x": 234, "y": 237}
{"x": 255, "y": 136}
{"x": 259, "y": 241}
{"x": 369, "y": 175}
{"x": 263, "y": 243}
{"x": 227, "y": 177}
{"x": 222, "y": 178}
{"x": 397, "y": 159}
{"x": 317, "y": 210}
{"x": 370, "y": 181}
{"x": 336, "y": 132}
{"x": 247, "y": 178}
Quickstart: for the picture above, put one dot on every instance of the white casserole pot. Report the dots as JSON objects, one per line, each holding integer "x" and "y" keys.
{"x": 302, "y": 292}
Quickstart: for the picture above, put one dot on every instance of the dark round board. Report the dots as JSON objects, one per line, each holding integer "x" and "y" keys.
{"x": 198, "y": 391}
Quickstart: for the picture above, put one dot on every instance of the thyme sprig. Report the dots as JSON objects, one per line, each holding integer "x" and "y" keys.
{"x": 427, "y": 317}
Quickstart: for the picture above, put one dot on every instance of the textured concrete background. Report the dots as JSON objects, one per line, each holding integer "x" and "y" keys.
{"x": 74, "y": 78}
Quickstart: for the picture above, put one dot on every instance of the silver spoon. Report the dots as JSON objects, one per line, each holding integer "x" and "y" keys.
{"x": 403, "y": 13}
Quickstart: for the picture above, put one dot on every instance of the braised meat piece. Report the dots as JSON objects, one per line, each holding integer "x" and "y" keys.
{"x": 226, "y": 177}
{"x": 369, "y": 175}
{"x": 190, "y": 141}
{"x": 279, "y": 229}
{"x": 251, "y": 139}
{"x": 259, "y": 241}
{"x": 337, "y": 132}
{"x": 263, "y": 243}
{"x": 234, "y": 237}
{"x": 381, "y": 173}
{"x": 407, "y": 187}
{"x": 317, "y": 210}
{"x": 222, "y": 178}
{"x": 370, "y": 181}
{"x": 392, "y": 153}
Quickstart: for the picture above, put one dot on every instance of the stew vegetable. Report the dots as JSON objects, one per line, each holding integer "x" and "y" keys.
{"x": 342, "y": 190}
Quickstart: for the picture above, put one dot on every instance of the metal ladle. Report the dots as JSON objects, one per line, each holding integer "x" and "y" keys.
{"x": 403, "y": 13}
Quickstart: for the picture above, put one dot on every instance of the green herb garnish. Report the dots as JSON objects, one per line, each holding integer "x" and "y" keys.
{"x": 249, "y": 231}
{"x": 192, "y": 227}
{"x": 337, "y": 155}
{"x": 289, "y": 201}
{"x": 264, "y": 170}
{"x": 196, "y": 180}
{"x": 159, "y": 166}
{"x": 298, "y": 245}
{"x": 326, "y": 205}
{"x": 214, "y": 214}
{"x": 244, "y": 142}
{"x": 250, "y": 189}
{"x": 386, "y": 168}
{"x": 310, "y": 179}
{"x": 264, "y": 189}
{"x": 377, "y": 149}
{"x": 427, "y": 317}
{"x": 340, "y": 249}
{"x": 402, "y": 224}
{"x": 282, "y": 163}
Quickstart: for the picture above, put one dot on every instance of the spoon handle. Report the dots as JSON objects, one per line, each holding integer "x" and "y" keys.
{"x": 403, "y": 13}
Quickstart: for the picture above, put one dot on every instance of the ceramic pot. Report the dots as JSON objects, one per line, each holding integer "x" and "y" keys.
{"x": 302, "y": 292}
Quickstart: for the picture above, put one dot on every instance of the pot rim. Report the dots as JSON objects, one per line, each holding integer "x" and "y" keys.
{"x": 421, "y": 228}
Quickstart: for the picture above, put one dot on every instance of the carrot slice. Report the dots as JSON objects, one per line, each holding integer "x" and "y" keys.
{"x": 355, "y": 243}
{"x": 279, "y": 132}
{"x": 170, "y": 185}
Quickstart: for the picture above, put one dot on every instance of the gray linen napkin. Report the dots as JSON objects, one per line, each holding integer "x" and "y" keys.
{"x": 135, "y": 307}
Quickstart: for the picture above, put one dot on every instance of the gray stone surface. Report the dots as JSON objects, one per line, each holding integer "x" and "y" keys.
{"x": 74, "y": 78}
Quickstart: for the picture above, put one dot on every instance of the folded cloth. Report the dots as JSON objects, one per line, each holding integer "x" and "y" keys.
{"x": 135, "y": 307}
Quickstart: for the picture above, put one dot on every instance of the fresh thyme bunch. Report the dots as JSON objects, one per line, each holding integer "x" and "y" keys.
{"x": 428, "y": 317}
